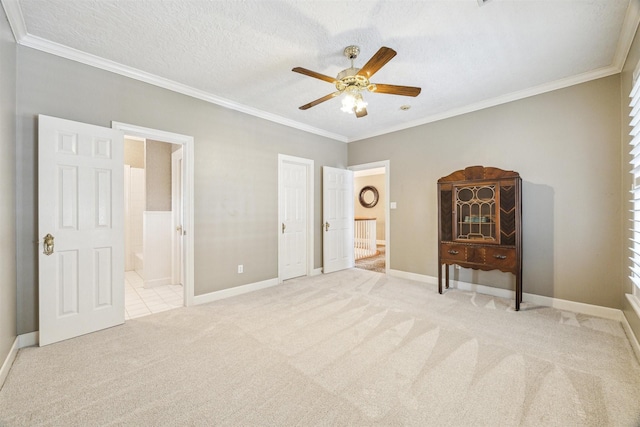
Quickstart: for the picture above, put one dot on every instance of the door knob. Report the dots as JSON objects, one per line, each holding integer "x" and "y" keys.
{"x": 48, "y": 244}
{"x": 326, "y": 226}
{"x": 283, "y": 227}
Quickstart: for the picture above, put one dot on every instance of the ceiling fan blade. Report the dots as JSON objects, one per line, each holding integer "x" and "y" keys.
{"x": 397, "y": 90}
{"x": 314, "y": 74}
{"x": 361, "y": 113}
{"x": 320, "y": 100}
{"x": 382, "y": 56}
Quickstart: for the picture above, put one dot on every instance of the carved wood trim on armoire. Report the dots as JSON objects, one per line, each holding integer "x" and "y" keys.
{"x": 480, "y": 222}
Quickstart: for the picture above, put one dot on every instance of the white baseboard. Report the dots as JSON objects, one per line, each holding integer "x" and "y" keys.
{"x": 316, "y": 272}
{"x": 577, "y": 307}
{"x": 21, "y": 341}
{"x": 635, "y": 345}
{"x": 413, "y": 276}
{"x": 29, "y": 340}
{"x": 635, "y": 303}
{"x": 8, "y": 361}
{"x": 627, "y": 327}
{"x": 231, "y": 292}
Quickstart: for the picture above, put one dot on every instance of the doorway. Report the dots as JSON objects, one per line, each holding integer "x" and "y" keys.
{"x": 153, "y": 226}
{"x": 371, "y": 209}
{"x": 178, "y": 225}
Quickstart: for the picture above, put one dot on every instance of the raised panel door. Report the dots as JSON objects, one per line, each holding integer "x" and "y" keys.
{"x": 80, "y": 201}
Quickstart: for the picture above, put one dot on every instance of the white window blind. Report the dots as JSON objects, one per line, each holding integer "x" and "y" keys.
{"x": 635, "y": 186}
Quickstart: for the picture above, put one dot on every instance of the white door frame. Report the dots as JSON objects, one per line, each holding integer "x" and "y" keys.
{"x": 386, "y": 164}
{"x": 187, "y": 143}
{"x": 310, "y": 209}
{"x": 177, "y": 201}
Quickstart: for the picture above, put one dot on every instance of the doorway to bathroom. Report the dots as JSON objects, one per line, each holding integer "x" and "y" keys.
{"x": 182, "y": 231}
{"x": 153, "y": 206}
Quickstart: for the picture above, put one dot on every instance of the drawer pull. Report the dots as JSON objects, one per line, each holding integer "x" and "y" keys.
{"x": 500, "y": 256}
{"x": 453, "y": 252}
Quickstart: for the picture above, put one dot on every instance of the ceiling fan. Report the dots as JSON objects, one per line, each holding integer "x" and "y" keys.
{"x": 352, "y": 81}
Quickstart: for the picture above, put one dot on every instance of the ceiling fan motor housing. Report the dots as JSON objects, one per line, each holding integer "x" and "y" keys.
{"x": 349, "y": 78}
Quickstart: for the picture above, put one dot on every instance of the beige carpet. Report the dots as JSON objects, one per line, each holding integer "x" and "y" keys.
{"x": 348, "y": 348}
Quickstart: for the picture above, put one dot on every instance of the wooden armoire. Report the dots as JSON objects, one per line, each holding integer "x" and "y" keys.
{"x": 480, "y": 222}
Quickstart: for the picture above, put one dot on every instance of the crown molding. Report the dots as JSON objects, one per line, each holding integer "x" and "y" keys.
{"x": 627, "y": 33}
{"x": 502, "y": 99}
{"x": 19, "y": 29}
{"x": 63, "y": 51}
{"x": 16, "y": 20}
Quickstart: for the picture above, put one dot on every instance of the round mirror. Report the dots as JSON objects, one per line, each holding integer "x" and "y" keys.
{"x": 369, "y": 196}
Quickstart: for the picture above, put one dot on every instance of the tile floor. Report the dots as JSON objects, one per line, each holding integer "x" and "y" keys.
{"x": 139, "y": 301}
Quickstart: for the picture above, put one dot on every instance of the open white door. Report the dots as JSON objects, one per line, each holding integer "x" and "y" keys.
{"x": 80, "y": 224}
{"x": 337, "y": 211}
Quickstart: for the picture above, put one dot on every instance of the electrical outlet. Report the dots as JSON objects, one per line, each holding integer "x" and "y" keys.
{"x": 240, "y": 268}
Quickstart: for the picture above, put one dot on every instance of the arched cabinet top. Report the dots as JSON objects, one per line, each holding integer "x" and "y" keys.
{"x": 478, "y": 173}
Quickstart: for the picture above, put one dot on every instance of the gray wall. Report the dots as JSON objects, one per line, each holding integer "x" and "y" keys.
{"x": 626, "y": 82}
{"x": 566, "y": 146}
{"x": 158, "y": 175}
{"x": 7, "y": 188}
{"x": 236, "y": 167}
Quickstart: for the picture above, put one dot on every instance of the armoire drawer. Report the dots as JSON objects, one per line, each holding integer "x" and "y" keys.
{"x": 502, "y": 258}
{"x": 453, "y": 252}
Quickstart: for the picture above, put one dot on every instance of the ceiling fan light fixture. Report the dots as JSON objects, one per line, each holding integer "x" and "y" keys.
{"x": 352, "y": 102}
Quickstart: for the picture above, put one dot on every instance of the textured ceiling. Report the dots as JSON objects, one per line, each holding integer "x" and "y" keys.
{"x": 240, "y": 53}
